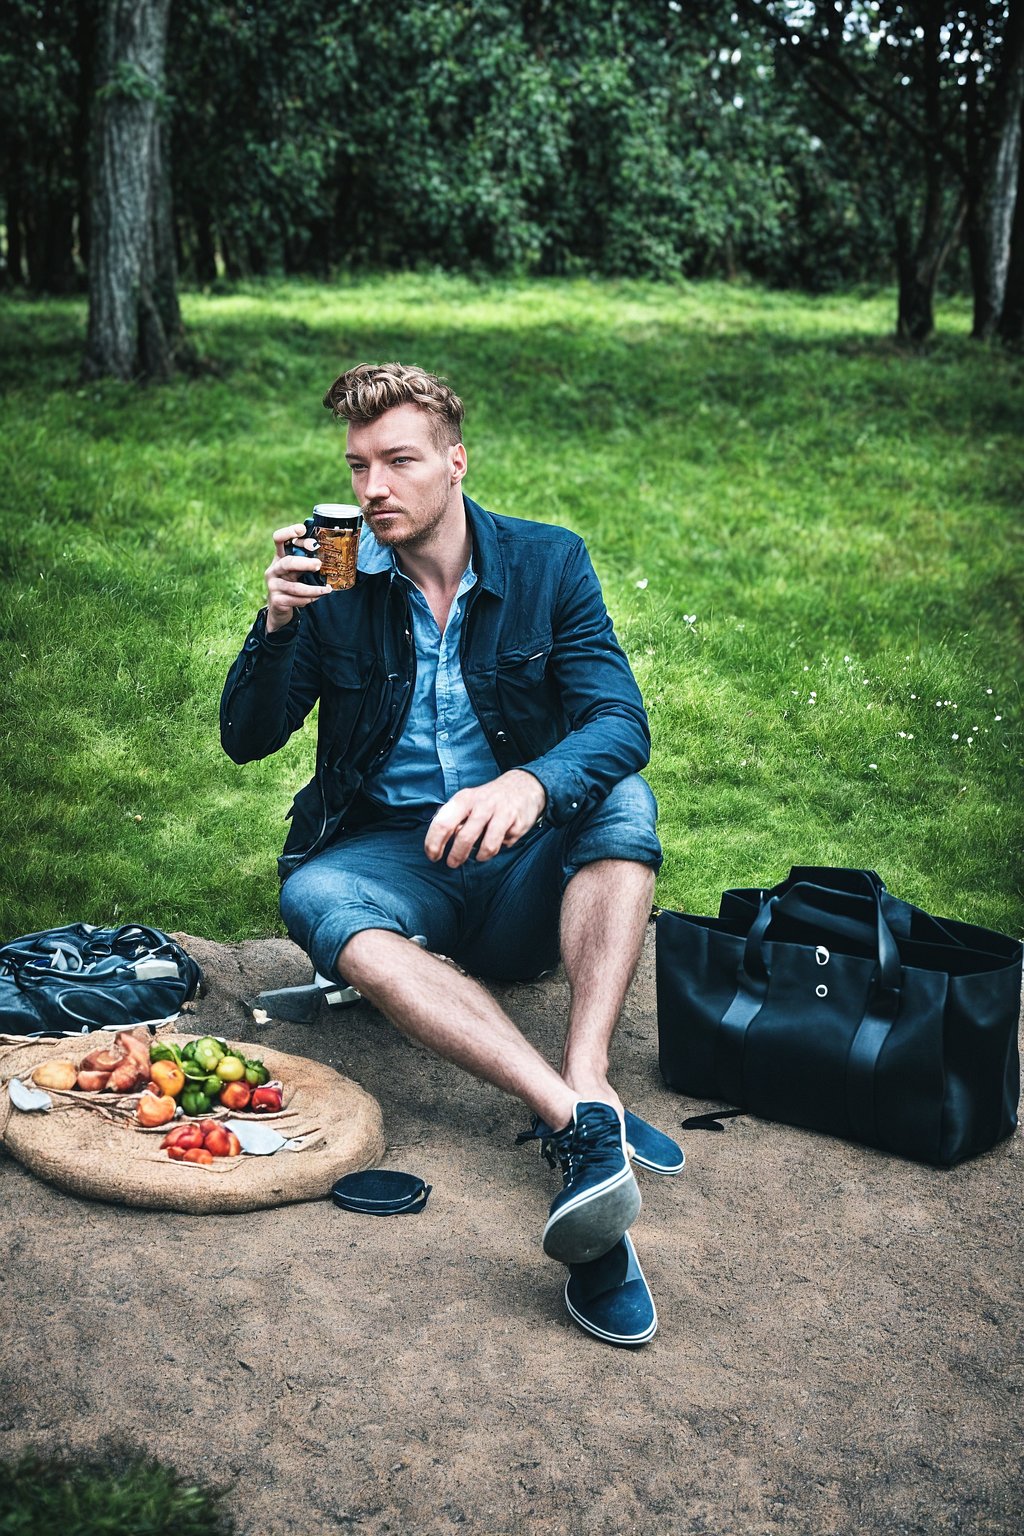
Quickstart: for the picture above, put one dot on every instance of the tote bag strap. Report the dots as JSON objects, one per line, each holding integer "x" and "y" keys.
{"x": 754, "y": 976}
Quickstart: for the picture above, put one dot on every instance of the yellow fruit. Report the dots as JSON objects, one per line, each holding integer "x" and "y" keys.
{"x": 56, "y": 1074}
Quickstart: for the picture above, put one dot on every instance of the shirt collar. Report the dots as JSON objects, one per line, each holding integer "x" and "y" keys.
{"x": 376, "y": 558}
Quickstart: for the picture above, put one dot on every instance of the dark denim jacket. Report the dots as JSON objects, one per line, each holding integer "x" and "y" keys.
{"x": 546, "y": 676}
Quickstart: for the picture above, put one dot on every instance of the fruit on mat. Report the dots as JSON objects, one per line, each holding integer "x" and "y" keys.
{"x": 56, "y": 1074}
{"x": 155, "y": 1109}
{"x": 168, "y": 1077}
{"x": 235, "y": 1096}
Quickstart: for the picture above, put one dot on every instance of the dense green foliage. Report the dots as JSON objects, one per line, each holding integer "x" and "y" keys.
{"x": 807, "y": 538}
{"x": 499, "y": 135}
{"x": 121, "y": 1492}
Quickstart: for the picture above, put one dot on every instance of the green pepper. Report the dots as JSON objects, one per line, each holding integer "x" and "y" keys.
{"x": 208, "y": 1052}
{"x": 195, "y": 1102}
{"x": 188, "y": 1051}
{"x": 164, "y": 1052}
{"x": 256, "y": 1074}
{"x": 194, "y": 1072}
{"x": 212, "y": 1086}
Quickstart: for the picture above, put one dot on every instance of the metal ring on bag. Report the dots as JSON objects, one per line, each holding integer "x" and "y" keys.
{"x": 822, "y": 955}
{"x": 821, "y": 990}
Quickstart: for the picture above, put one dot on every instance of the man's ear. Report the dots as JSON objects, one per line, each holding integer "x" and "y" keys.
{"x": 457, "y": 462}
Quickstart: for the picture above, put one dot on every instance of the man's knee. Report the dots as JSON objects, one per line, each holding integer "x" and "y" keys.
{"x": 621, "y": 826}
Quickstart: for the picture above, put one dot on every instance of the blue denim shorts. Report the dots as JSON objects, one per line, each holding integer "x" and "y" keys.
{"x": 497, "y": 919}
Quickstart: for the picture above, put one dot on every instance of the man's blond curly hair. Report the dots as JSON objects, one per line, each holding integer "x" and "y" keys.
{"x": 366, "y": 392}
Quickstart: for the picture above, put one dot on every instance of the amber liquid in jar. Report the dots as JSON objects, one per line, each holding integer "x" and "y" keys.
{"x": 336, "y": 530}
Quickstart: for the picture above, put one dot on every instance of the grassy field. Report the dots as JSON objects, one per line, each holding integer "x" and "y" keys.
{"x": 808, "y": 539}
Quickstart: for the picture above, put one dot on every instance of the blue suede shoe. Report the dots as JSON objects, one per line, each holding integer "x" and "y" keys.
{"x": 599, "y": 1198}
{"x": 652, "y": 1149}
{"x": 610, "y": 1298}
{"x": 647, "y": 1147}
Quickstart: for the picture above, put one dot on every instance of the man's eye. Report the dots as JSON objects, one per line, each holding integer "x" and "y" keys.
{"x": 357, "y": 469}
{"x": 401, "y": 461}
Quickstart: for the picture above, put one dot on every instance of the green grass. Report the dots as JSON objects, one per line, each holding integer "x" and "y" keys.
{"x": 117, "y": 1492}
{"x": 838, "y": 517}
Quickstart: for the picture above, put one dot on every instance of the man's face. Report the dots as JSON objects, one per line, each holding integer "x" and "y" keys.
{"x": 404, "y": 483}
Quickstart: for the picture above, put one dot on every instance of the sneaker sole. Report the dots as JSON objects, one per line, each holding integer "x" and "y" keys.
{"x": 586, "y": 1227}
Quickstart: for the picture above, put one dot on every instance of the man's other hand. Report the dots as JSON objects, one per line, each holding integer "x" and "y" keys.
{"x": 493, "y": 815}
{"x": 285, "y": 592}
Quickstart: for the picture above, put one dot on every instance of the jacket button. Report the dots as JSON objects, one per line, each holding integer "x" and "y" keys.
{"x": 574, "y": 806}
{"x": 500, "y": 736}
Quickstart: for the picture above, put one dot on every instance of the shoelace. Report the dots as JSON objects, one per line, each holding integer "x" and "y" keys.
{"x": 560, "y": 1148}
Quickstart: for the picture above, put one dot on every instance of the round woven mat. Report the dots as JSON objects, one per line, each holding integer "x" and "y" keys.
{"x": 79, "y": 1149}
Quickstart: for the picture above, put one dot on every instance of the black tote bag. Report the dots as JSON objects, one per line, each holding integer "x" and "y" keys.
{"x": 828, "y": 1003}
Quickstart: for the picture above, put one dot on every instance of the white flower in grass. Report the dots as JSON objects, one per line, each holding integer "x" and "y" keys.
{"x": 690, "y": 618}
{"x": 846, "y": 658}
{"x": 807, "y": 669}
{"x": 999, "y": 717}
{"x": 904, "y": 735}
{"x": 956, "y": 735}
{"x": 988, "y": 690}
{"x": 872, "y": 765}
{"x": 641, "y": 585}
{"x": 913, "y": 695}
{"x": 911, "y": 736}
{"x": 970, "y": 741}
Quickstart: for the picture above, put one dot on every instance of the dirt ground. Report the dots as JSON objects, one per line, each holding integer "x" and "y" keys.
{"x": 840, "y": 1347}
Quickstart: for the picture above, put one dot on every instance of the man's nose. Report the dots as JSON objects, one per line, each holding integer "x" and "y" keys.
{"x": 376, "y": 487}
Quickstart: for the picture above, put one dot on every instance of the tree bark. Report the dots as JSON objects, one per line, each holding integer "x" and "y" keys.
{"x": 1011, "y": 321}
{"x": 127, "y": 335}
{"x": 920, "y": 260}
{"x": 994, "y": 187}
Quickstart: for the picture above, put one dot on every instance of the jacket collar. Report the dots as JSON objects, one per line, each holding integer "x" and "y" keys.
{"x": 486, "y": 558}
{"x": 490, "y": 567}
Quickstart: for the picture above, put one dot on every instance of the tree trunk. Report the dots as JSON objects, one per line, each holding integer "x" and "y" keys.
{"x": 995, "y": 190}
{"x": 919, "y": 261}
{"x": 127, "y": 336}
{"x": 15, "y": 245}
{"x": 204, "y": 256}
{"x": 1011, "y": 321}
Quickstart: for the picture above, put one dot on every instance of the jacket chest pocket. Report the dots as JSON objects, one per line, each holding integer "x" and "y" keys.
{"x": 526, "y": 695}
{"x": 349, "y": 684}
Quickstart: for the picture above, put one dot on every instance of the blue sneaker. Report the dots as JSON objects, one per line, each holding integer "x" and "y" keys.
{"x": 610, "y": 1298}
{"x": 652, "y": 1149}
{"x": 647, "y": 1147}
{"x": 599, "y": 1198}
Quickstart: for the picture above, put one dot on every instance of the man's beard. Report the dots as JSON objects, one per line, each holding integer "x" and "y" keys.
{"x": 397, "y": 535}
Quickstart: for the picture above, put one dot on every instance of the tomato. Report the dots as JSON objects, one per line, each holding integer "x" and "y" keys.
{"x": 168, "y": 1077}
{"x": 267, "y": 1099}
{"x": 231, "y": 1069}
{"x": 197, "y": 1155}
{"x": 234, "y": 1145}
{"x": 184, "y": 1136}
{"x": 216, "y": 1141}
{"x": 178, "y": 1153}
{"x": 235, "y": 1095}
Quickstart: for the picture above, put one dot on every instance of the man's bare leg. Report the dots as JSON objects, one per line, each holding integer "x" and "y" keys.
{"x": 605, "y": 911}
{"x": 454, "y": 1016}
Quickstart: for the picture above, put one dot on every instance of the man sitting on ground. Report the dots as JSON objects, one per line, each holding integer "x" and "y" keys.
{"x": 477, "y": 786}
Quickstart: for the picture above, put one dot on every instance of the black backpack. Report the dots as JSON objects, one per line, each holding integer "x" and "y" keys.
{"x": 72, "y": 980}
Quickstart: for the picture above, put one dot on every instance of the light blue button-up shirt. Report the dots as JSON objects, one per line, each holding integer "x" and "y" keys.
{"x": 442, "y": 748}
